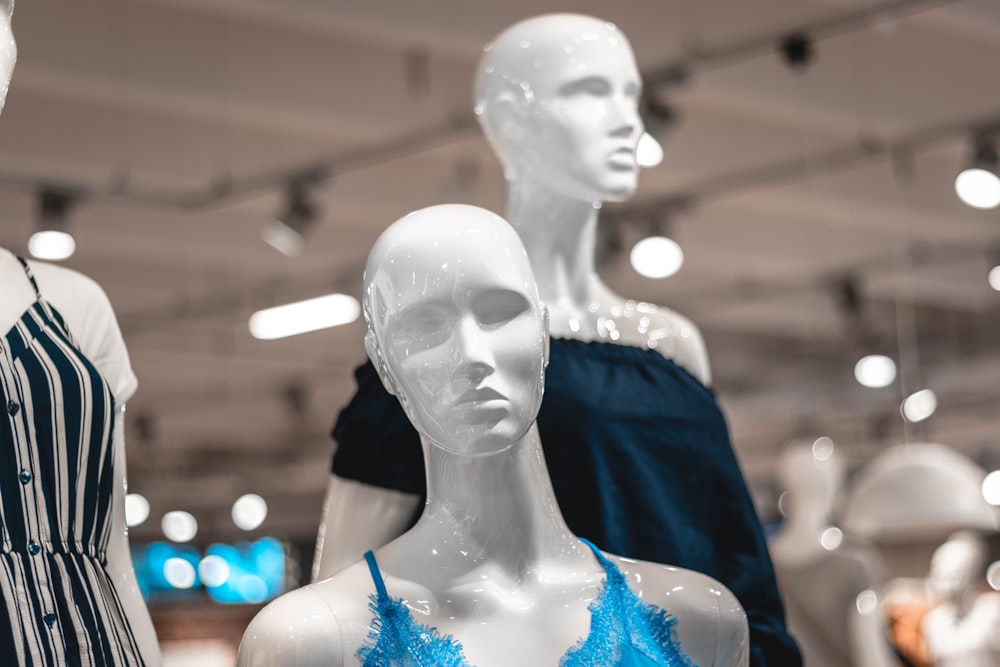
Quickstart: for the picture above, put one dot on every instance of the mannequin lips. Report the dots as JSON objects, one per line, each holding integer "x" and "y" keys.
{"x": 478, "y": 396}
{"x": 622, "y": 159}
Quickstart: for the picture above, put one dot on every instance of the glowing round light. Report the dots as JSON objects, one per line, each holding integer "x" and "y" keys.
{"x": 136, "y": 509}
{"x": 978, "y": 188}
{"x": 51, "y": 245}
{"x": 783, "y": 504}
{"x": 213, "y": 570}
{"x": 993, "y": 575}
{"x": 179, "y": 526}
{"x": 252, "y": 588}
{"x": 866, "y": 602}
{"x": 179, "y": 573}
{"x": 831, "y": 538}
{"x": 249, "y": 511}
{"x": 875, "y": 370}
{"x": 919, "y": 405}
{"x": 994, "y": 278}
{"x": 649, "y": 152}
{"x": 822, "y": 448}
{"x": 657, "y": 257}
{"x": 991, "y": 488}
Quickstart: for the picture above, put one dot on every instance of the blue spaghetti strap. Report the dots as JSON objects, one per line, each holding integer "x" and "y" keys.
{"x": 395, "y": 639}
{"x": 376, "y": 575}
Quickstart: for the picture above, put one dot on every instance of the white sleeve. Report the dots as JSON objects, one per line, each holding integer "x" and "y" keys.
{"x": 101, "y": 340}
{"x": 91, "y": 321}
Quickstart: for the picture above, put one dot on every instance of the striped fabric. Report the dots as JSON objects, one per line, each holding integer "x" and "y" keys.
{"x": 58, "y": 606}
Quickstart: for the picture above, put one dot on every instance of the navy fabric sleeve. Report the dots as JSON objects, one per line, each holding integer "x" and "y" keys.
{"x": 376, "y": 444}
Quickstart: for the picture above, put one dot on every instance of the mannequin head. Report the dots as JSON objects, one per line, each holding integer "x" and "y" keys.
{"x": 812, "y": 481}
{"x": 957, "y": 565}
{"x": 557, "y": 96}
{"x": 8, "y": 49}
{"x": 455, "y": 327}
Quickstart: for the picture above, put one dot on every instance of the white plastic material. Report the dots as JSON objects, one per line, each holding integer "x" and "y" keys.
{"x": 457, "y": 332}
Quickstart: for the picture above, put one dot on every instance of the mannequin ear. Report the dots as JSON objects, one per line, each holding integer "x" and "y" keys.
{"x": 378, "y": 361}
{"x": 508, "y": 121}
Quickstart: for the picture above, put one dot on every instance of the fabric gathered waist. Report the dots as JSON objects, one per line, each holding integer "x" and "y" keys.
{"x": 49, "y": 547}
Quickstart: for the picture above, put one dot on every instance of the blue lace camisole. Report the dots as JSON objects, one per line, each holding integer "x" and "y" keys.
{"x": 624, "y": 631}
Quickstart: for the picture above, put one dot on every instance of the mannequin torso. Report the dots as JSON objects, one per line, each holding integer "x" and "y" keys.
{"x": 90, "y": 320}
{"x": 491, "y": 561}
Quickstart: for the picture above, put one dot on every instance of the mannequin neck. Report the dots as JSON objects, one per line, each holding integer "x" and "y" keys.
{"x": 798, "y": 539}
{"x": 560, "y": 235}
{"x": 498, "y": 509}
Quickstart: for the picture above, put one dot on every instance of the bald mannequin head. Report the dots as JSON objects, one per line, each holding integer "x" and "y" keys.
{"x": 557, "y": 96}
{"x": 455, "y": 327}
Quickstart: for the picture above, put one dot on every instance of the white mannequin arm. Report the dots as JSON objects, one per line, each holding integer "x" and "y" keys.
{"x": 119, "y": 566}
{"x": 358, "y": 517}
{"x": 270, "y": 641}
{"x": 869, "y": 640}
{"x": 690, "y": 352}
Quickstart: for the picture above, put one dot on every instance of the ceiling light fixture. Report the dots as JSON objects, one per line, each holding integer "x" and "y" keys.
{"x": 287, "y": 232}
{"x": 656, "y": 255}
{"x": 52, "y": 241}
{"x": 919, "y": 405}
{"x": 978, "y": 186}
{"x": 301, "y": 317}
{"x": 875, "y": 371}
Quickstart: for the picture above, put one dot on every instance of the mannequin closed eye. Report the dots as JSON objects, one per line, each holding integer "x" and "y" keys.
{"x": 596, "y": 86}
{"x": 497, "y": 307}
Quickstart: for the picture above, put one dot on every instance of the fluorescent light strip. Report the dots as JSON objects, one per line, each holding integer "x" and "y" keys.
{"x": 303, "y": 316}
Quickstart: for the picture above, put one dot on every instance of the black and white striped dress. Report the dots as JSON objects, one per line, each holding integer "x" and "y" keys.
{"x": 56, "y": 482}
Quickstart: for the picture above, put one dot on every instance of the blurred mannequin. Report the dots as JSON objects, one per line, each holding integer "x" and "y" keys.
{"x": 829, "y": 586}
{"x": 963, "y": 629}
{"x": 67, "y": 588}
{"x": 637, "y": 449}
{"x": 490, "y": 575}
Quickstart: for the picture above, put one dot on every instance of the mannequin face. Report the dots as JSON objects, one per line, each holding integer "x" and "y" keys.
{"x": 8, "y": 52}
{"x": 558, "y": 95}
{"x": 457, "y": 327}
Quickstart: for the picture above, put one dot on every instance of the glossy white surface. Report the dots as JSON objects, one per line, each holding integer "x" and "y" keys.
{"x": 962, "y": 629}
{"x": 807, "y": 553}
{"x": 557, "y": 96}
{"x": 453, "y": 314}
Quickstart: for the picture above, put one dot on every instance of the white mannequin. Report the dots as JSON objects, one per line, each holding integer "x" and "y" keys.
{"x": 458, "y": 334}
{"x": 562, "y": 116}
{"x": 830, "y": 593}
{"x": 88, "y": 315}
{"x": 963, "y": 630}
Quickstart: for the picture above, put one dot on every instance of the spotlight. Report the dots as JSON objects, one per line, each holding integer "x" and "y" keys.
{"x": 994, "y": 278}
{"x": 875, "y": 371}
{"x": 978, "y": 186}
{"x": 656, "y": 255}
{"x": 797, "y": 50}
{"x": 287, "y": 232}
{"x": 52, "y": 241}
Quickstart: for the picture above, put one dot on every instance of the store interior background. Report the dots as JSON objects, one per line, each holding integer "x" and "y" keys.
{"x": 811, "y": 149}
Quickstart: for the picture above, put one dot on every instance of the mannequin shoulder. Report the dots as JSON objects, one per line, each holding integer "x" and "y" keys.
{"x": 711, "y": 623}
{"x": 298, "y": 628}
{"x": 77, "y": 296}
{"x": 657, "y": 327}
{"x": 317, "y": 624}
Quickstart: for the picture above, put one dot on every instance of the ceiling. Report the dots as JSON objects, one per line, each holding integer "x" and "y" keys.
{"x": 819, "y": 220}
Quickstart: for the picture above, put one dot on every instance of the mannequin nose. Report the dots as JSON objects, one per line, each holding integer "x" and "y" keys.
{"x": 475, "y": 360}
{"x": 626, "y": 120}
